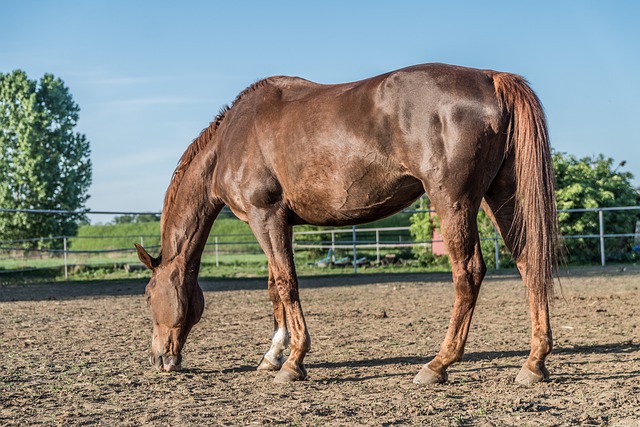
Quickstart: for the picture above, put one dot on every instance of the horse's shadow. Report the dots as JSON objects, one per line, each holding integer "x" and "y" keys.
{"x": 618, "y": 350}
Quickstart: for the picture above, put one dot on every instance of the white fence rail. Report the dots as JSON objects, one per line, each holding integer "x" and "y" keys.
{"x": 340, "y": 239}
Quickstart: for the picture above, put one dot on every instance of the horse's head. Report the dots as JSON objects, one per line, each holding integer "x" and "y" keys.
{"x": 176, "y": 303}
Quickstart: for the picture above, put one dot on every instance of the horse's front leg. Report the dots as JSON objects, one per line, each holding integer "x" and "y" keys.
{"x": 275, "y": 237}
{"x": 274, "y": 358}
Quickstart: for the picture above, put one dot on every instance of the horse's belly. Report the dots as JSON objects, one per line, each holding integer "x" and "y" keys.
{"x": 355, "y": 202}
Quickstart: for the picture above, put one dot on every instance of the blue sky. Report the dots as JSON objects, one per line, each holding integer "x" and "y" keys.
{"x": 150, "y": 75}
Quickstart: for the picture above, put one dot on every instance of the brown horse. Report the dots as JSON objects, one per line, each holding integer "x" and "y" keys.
{"x": 289, "y": 151}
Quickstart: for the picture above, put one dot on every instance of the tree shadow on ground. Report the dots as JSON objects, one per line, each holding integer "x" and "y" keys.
{"x": 120, "y": 287}
{"x": 43, "y": 291}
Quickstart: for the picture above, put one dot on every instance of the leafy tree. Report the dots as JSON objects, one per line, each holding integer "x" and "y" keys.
{"x": 44, "y": 163}
{"x": 594, "y": 182}
{"x": 589, "y": 182}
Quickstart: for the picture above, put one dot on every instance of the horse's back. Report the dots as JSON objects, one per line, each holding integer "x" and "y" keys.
{"x": 354, "y": 152}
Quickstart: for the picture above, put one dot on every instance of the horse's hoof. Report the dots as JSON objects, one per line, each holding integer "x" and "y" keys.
{"x": 268, "y": 365}
{"x": 426, "y": 377}
{"x": 287, "y": 375}
{"x": 527, "y": 377}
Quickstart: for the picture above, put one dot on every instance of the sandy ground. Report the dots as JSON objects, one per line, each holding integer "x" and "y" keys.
{"x": 76, "y": 354}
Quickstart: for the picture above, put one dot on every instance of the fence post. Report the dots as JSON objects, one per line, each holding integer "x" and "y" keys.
{"x": 601, "y": 221}
{"x": 378, "y": 246}
{"x": 333, "y": 246}
{"x": 142, "y": 241}
{"x": 66, "y": 266}
{"x": 355, "y": 251}
{"x": 216, "y": 249}
{"x": 497, "y": 247}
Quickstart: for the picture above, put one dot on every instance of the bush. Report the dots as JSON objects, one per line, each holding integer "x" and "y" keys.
{"x": 594, "y": 182}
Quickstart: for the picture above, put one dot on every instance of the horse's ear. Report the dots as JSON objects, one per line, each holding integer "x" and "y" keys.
{"x": 149, "y": 261}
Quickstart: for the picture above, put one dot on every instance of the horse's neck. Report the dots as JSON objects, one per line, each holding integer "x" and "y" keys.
{"x": 187, "y": 222}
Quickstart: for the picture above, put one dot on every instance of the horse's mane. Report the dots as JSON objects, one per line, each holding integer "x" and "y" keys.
{"x": 197, "y": 146}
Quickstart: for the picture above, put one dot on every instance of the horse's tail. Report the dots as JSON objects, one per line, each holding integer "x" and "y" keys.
{"x": 535, "y": 216}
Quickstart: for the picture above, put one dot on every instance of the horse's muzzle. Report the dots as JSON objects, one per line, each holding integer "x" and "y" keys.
{"x": 166, "y": 362}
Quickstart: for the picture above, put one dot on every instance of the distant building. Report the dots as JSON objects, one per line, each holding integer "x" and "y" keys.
{"x": 437, "y": 246}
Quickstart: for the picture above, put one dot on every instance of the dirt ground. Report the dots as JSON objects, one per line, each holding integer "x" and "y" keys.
{"x": 76, "y": 354}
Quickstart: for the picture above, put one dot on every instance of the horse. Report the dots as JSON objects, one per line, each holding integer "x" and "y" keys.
{"x": 289, "y": 151}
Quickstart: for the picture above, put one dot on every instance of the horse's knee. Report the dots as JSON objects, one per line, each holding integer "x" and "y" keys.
{"x": 274, "y": 294}
{"x": 287, "y": 291}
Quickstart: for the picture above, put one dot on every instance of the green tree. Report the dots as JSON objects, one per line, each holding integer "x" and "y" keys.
{"x": 594, "y": 182}
{"x": 589, "y": 182}
{"x": 44, "y": 163}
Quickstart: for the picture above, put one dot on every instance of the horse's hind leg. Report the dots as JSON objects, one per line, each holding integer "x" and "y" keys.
{"x": 274, "y": 358}
{"x": 499, "y": 205}
{"x": 460, "y": 232}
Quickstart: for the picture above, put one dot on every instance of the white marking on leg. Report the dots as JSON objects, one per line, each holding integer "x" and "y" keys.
{"x": 279, "y": 343}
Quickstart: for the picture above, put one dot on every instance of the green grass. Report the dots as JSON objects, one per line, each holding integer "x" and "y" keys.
{"x": 208, "y": 271}
{"x": 229, "y": 266}
{"x": 227, "y": 229}
{"x": 239, "y": 255}
{"x": 118, "y": 236}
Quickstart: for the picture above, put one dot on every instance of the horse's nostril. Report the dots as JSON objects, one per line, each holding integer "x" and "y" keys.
{"x": 171, "y": 362}
{"x": 156, "y": 361}
{"x": 166, "y": 362}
